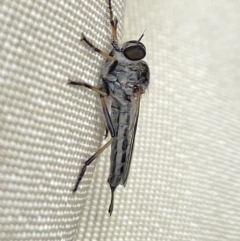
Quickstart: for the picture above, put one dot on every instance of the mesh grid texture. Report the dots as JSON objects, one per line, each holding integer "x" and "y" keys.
{"x": 185, "y": 175}
{"x": 47, "y": 127}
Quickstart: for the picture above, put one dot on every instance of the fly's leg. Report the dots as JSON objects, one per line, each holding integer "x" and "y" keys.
{"x": 107, "y": 117}
{"x": 106, "y": 133}
{"x": 105, "y": 55}
{"x": 88, "y": 162}
{"x": 103, "y": 103}
{"x": 111, "y": 130}
{"x": 113, "y": 21}
{"x": 96, "y": 89}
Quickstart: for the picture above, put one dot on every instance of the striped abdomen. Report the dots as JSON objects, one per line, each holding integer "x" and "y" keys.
{"x": 121, "y": 118}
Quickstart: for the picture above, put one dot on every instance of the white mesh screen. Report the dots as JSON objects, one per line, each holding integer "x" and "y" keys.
{"x": 185, "y": 176}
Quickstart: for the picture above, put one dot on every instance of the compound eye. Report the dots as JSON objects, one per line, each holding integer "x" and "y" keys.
{"x": 136, "y": 52}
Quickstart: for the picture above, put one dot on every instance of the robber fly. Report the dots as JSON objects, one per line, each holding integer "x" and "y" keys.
{"x": 124, "y": 78}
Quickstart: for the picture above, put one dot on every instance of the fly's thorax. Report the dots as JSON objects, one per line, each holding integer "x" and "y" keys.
{"x": 124, "y": 81}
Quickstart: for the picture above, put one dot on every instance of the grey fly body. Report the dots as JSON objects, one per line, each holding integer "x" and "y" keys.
{"x": 125, "y": 77}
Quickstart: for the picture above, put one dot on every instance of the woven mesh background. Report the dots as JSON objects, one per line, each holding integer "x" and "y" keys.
{"x": 185, "y": 176}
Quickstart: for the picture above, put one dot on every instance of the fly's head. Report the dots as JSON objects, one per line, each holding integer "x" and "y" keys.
{"x": 131, "y": 51}
{"x": 134, "y": 50}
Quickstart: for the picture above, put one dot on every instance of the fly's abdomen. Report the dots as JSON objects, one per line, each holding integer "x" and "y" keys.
{"x": 121, "y": 120}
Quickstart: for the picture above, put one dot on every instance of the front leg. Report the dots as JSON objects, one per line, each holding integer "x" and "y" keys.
{"x": 105, "y": 55}
{"x": 113, "y": 21}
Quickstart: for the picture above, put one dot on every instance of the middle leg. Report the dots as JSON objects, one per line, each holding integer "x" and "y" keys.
{"x": 103, "y": 103}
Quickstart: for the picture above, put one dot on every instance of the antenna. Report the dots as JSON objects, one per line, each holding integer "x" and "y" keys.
{"x": 141, "y": 36}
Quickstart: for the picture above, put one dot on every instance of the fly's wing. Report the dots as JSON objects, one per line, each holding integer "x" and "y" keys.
{"x": 144, "y": 82}
{"x": 133, "y": 129}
